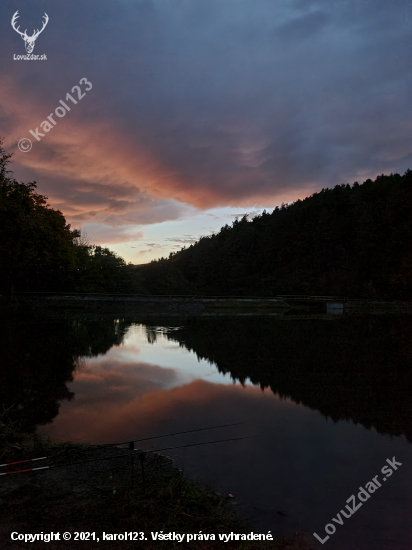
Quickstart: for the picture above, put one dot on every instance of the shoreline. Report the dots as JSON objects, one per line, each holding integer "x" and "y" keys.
{"x": 72, "y": 305}
{"x": 91, "y": 488}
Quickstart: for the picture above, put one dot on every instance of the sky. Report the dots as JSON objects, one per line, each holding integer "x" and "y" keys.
{"x": 190, "y": 113}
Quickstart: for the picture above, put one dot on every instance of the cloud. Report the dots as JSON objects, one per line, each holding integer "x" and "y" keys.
{"x": 186, "y": 239}
{"x": 303, "y": 27}
{"x": 79, "y": 177}
{"x": 154, "y": 245}
{"x": 125, "y": 400}
{"x": 207, "y": 103}
{"x": 118, "y": 381}
{"x": 100, "y": 233}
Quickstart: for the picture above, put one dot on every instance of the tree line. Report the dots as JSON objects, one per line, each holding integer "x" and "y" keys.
{"x": 352, "y": 240}
{"x": 39, "y": 252}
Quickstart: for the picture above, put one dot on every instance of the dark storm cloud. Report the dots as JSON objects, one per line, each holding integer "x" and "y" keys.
{"x": 209, "y": 102}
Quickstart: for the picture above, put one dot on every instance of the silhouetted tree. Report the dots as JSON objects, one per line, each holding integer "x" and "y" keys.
{"x": 36, "y": 244}
{"x": 350, "y": 240}
{"x": 40, "y": 252}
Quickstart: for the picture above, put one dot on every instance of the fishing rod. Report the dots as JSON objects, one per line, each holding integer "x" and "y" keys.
{"x": 125, "y": 443}
{"x": 124, "y": 455}
{"x": 172, "y": 434}
{"x": 196, "y": 444}
{"x": 21, "y": 461}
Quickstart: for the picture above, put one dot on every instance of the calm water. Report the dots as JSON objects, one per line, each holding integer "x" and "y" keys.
{"x": 328, "y": 401}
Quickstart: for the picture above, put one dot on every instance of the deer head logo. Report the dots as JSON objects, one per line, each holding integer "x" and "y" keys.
{"x": 29, "y": 41}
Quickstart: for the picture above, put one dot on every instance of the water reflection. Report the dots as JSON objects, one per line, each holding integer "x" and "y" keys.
{"x": 136, "y": 380}
{"x": 37, "y": 359}
{"x": 354, "y": 368}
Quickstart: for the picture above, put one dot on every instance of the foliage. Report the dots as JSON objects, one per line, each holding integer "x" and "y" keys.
{"x": 36, "y": 245}
{"x": 40, "y": 252}
{"x": 350, "y": 240}
{"x": 162, "y": 277}
{"x": 102, "y": 270}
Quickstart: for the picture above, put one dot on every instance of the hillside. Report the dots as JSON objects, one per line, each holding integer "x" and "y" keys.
{"x": 350, "y": 240}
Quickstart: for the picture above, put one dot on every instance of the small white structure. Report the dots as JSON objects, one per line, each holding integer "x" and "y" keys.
{"x": 334, "y": 308}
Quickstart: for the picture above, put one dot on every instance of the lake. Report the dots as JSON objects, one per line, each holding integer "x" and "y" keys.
{"x": 321, "y": 403}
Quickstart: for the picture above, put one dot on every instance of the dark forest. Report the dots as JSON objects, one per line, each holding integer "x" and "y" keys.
{"x": 352, "y": 240}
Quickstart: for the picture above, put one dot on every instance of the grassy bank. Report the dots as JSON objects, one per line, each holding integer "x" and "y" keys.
{"x": 90, "y": 489}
